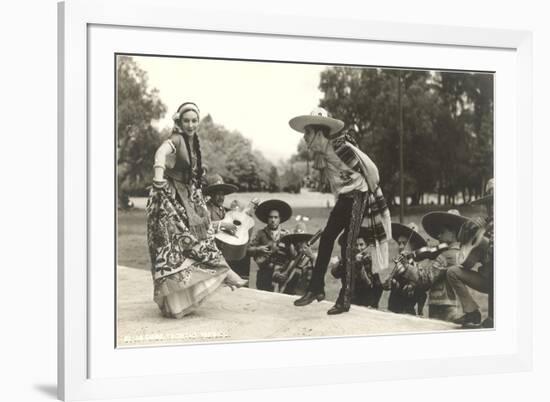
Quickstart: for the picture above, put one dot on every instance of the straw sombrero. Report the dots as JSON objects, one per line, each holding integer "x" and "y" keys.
{"x": 262, "y": 212}
{"x": 319, "y": 117}
{"x": 433, "y": 221}
{"x": 410, "y": 232}
{"x": 298, "y": 235}
{"x": 488, "y": 197}
{"x": 215, "y": 184}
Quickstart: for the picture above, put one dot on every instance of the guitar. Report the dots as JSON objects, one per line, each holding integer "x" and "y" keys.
{"x": 473, "y": 243}
{"x": 233, "y": 246}
{"x": 289, "y": 271}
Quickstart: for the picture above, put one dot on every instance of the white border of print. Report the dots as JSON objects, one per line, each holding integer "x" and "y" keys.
{"x": 90, "y": 368}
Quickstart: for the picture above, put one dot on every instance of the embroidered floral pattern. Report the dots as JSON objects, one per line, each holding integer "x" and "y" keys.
{"x": 172, "y": 246}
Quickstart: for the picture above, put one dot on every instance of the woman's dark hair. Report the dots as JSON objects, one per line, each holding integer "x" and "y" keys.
{"x": 186, "y": 103}
{"x": 177, "y": 115}
{"x": 196, "y": 145}
{"x": 198, "y": 179}
{"x": 197, "y": 149}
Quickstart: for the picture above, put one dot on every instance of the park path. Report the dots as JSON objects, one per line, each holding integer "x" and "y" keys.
{"x": 246, "y": 314}
{"x": 305, "y": 199}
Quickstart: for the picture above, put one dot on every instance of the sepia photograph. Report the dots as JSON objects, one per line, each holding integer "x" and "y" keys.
{"x": 269, "y": 200}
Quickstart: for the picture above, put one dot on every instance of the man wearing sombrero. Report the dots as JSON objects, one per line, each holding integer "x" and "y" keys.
{"x": 404, "y": 295}
{"x": 366, "y": 287}
{"x": 264, "y": 247}
{"x": 481, "y": 280}
{"x": 217, "y": 190}
{"x": 354, "y": 180}
{"x": 445, "y": 227}
{"x": 293, "y": 278}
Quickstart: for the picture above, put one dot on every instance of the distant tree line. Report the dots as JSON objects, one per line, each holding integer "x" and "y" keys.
{"x": 230, "y": 155}
{"x": 447, "y": 124}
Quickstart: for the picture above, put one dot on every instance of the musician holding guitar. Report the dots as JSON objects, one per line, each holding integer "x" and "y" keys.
{"x": 445, "y": 227}
{"x": 232, "y": 226}
{"x": 463, "y": 276}
{"x": 293, "y": 278}
{"x": 265, "y": 247}
{"x": 217, "y": 190}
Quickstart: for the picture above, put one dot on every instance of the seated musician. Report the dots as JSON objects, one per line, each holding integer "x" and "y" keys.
{"x": 293, "y": 277}
{"x": 463, "y": 276}
{"x": 216, "y": 190}
{"x": 443, "y": 226}
{"x": 405, "y": 295}
{"x": 264, "y": 247}
{"x": 367, "y": 287}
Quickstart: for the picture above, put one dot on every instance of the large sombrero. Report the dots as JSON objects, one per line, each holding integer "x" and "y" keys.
{"x": 488, "y": 197}
{"x": 363, "y": 233}
{"x": 298, "y": 235}
{"x": 262, "y": 212}
{"x": 215, "y": 184}
{"x": 432, "y": 222}
{"x": 319, "y": 117}
{"x": 410, "y": 232}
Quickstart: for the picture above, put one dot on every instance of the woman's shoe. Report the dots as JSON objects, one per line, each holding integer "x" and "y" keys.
{"x": 236, "y": 284}
{"x": 234, "y": 281}
{"x": 308, "y": 298}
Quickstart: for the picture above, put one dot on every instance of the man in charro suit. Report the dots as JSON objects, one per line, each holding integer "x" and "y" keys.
{"x": 354, "y": 180}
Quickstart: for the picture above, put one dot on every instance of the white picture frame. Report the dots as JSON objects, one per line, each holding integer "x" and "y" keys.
{"x": 80, "y": 378}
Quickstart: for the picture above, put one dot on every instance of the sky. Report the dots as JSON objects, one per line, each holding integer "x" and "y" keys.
{"x": 255, "y": 98}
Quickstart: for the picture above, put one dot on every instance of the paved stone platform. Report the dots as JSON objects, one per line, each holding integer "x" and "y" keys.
{"x": 246, "y": 314}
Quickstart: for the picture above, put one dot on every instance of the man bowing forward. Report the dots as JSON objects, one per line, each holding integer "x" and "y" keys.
{"x": 354, "y": 181}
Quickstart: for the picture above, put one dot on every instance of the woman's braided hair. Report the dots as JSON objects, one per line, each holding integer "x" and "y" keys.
{"x": 198, "y": 153}
{"x": 198, "y": 179}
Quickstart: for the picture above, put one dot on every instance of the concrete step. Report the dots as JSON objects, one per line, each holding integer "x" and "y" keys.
{"x": 246, "y": 314}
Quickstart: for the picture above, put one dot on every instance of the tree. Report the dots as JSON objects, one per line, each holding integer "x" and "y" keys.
{"x": 367, "y": 98}
{"x": 230, "y": 155}
{"x": 447, "y": 119}
{"x": 291, "y": 181}
{"x": 274, "y": 183}
{"x": 137, "y": 108}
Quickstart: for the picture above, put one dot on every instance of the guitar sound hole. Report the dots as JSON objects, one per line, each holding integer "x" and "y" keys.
{"x": 236, "y": 223}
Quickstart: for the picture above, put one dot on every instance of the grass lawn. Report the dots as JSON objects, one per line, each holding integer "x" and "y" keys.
{"x": 132, "y": 242}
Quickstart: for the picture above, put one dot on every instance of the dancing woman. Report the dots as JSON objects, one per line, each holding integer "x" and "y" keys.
{"x": 186, "y": 264}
